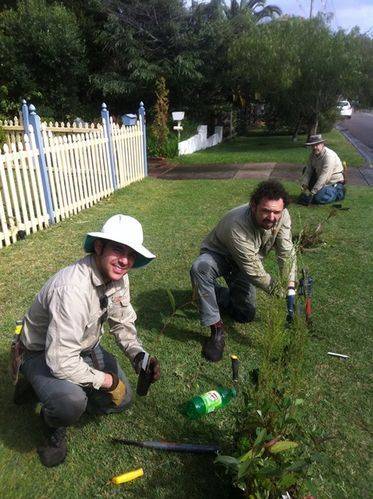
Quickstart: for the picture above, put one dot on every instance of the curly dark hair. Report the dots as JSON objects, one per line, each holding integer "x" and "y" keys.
{"x": 270, "y": 189}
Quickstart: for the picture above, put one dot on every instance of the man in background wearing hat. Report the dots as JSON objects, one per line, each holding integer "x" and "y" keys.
{"x": 323, "y": 180}
{"x": 63, "y": 360}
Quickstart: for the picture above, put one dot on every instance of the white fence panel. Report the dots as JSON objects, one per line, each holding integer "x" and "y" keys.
{"x": 22, "y": 204}
{"x": 78, "y": 169}
{"x": 128, "y": 153}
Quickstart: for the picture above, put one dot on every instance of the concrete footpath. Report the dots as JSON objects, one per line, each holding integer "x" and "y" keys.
{"x": 260, "y": 171}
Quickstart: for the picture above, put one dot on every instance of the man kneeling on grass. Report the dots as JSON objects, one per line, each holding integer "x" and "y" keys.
{"x": 63, "y": 361}
{"x": 234, "y": 250}
{"x": 323, "y": 178}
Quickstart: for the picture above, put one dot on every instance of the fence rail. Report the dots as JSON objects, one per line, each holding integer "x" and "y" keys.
{"x": 48, "y": 177}
{"x": 14, "y": 129}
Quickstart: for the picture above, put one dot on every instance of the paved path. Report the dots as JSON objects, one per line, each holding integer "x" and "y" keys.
{"x": 259, "y": 171}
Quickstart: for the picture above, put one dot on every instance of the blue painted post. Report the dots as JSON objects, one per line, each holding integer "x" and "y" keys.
{"x": 25, "y": 116}
{"x": 142, "y": 114}
{"x": 110, "y": 149}
{"x": 36, "y": 125}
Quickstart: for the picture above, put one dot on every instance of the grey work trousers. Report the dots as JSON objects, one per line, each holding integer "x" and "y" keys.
{"x": 64, "y": 402}
{"x": 238, "y": 299}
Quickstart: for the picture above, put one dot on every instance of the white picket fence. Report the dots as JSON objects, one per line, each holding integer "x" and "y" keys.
{"x": 79, "y": 174}
{"x": 14, "y": 129}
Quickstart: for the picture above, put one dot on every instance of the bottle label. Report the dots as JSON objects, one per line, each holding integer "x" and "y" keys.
{"x": 212, "y": 400}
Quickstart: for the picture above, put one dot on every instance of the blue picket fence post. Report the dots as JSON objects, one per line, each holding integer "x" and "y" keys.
{"x": 108, "y": 135}
{"x": 36, "y": 125}
{"x": 142, "y": 114}
{"x": 25, "y": 116}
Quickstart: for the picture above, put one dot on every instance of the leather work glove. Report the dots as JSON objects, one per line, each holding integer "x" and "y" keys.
{"x": 117, "y": 390}
{"x": 154, "y": 366}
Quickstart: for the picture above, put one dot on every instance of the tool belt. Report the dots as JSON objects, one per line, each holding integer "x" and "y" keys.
{"x": 17, "y": 350}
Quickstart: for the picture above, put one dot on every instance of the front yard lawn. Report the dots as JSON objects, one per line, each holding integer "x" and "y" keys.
{"x": 176, "y": 216}
{"x": 277, "y": 149}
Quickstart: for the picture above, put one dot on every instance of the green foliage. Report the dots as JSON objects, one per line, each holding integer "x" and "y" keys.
{"x": 2, "y": 137}
{"x": 176, "y": 310}
{"x": 142, "y": 41}
{"x": 159, "y": 128}
{"x": 310, "y": 236}
{"x": 273, "y": 446}
{"x": 169, "y": 149}
{"x": 262, "y": 147}
{"x": 69, "y": 56}
{"x": 160, "y": 142}
{"x": 175, "y": 217}
{"x": 42, "y": 56}
{"x": 364, "y": 95}
{"x": 327, "y": 120}
{"x": 8, "y": 108}
{"x": 257, "y": 9}
{"x": 299, "y": 67}
{"x": 268, "y": 462}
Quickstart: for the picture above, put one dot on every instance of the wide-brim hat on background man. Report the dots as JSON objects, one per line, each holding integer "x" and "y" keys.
{"x": 126, "y": 230}
{"x": 315, "y": 139}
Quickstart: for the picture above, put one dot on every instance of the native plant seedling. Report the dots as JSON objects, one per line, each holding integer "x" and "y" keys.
{"x": 310, "y": 236}
{"x": 176, "y": 310}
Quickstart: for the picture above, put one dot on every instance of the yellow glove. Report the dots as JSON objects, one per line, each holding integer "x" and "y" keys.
{"x": 117, "y": 390}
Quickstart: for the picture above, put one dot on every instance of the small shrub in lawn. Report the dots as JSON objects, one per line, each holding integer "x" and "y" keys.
{"x": 310, "y": 236}
{"x": 273, "y": 450}
{"x": 160, "y": 142}
{"x": 177, "y": 310}
{"x": 168, "y": 149}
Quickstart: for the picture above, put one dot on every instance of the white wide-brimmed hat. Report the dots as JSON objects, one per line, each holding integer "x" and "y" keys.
{"x": 126, "y": 230}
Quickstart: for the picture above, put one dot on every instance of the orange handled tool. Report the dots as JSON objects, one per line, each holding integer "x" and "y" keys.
{"x": 305, "y": 289}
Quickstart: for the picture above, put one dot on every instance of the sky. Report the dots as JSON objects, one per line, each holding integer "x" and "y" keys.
{"x": 346, "y": 13}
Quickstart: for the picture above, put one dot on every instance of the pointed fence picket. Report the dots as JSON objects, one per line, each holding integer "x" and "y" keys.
{"x": 79, "y": 173}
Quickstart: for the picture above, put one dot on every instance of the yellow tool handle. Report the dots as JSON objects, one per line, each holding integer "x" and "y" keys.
{"x": 127, "y": 477}
{"x": 18, "y": 329}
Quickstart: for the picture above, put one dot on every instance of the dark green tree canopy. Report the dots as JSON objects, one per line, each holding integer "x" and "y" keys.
{"x": 70, "y": 56}
{"x": 42, "y": 55}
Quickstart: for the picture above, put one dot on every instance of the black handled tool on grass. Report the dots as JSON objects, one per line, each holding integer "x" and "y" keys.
{"x": 170, "y": 446}
{"x": 290, "y": 304}
{"x": 235, "y": 366}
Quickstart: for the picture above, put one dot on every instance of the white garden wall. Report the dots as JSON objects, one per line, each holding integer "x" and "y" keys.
{"x": 201, "y": 141}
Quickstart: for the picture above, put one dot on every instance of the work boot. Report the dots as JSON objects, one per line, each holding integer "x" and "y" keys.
{"x": 214, "y": 346}
{"x": 54, "y": 451}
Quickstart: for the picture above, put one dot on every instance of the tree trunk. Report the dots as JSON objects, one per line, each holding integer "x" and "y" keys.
{"x": 314, "y": 127}
{"x": 314, "y": 124}
{"x": 297, "y": 128}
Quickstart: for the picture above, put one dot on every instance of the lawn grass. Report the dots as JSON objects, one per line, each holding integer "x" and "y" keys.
{"x": 263, "y": 149}
{"x": 175, "y": 217}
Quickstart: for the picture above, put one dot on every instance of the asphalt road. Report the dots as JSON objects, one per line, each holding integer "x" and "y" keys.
{"x": 360, "y": 126}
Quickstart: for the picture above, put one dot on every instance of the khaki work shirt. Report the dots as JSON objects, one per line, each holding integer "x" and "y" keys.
{"x": 66, "y": 319}
{"x": 244, "y": 243}
{"x": 328, "y": 168}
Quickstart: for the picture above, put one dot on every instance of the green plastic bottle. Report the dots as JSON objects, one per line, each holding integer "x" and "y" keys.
{"x": 208, "y": 402}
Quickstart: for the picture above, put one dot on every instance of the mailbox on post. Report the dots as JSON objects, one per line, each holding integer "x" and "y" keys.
{"x": 129, "y": 119}
{"x": 178, "y": 116}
